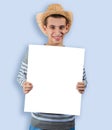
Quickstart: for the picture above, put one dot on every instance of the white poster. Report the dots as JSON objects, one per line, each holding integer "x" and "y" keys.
{"x": 54, "y": 72}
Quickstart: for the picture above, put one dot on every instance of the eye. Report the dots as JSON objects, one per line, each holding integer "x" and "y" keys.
{"x": 62, "y": 27}
{"x": 52, "y": 27}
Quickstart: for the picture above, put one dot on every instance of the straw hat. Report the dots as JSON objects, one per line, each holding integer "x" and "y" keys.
{"x": 53, "y": 9}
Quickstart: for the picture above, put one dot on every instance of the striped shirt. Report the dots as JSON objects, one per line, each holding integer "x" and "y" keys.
{"x": 44, "y": 120}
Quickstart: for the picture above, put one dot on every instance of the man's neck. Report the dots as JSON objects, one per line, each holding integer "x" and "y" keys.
{"x": 56, "y": 44}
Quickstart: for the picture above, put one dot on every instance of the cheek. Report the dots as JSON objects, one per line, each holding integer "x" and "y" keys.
{"x": 52, "y": 33}
{"x": 66, "y": 30}
{"x": 63, "y": 33}
{"x": 48, "y": 33}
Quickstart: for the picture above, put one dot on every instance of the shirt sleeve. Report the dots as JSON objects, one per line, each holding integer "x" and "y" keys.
{"x": 84, "y": 77}
{"x": 22, "y": 75}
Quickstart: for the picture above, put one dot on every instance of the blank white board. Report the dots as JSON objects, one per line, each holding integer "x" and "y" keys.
{"x": 54, "y": 72}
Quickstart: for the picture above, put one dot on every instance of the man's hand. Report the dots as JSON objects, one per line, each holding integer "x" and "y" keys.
{"x": 27, "y": 87}
{"x": 80, "y": 87}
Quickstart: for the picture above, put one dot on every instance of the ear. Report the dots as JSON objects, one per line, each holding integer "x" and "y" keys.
{"x": 45, "y": 29}
{"x": 67, "y": 28}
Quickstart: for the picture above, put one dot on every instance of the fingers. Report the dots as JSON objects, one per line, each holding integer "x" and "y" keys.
{"x": 27, "y": 87}
{"x": 80, "y": 87}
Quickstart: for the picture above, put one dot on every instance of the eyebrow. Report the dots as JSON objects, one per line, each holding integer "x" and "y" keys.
{"x": 57, "y": 26}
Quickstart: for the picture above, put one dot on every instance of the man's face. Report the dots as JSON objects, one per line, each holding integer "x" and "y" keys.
{"x": 55, "y": 29}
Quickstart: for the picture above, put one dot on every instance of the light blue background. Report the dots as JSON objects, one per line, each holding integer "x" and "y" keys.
{"x": 92, "y": 29}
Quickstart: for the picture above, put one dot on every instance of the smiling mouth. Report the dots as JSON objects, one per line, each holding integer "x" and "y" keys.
{"x": 57, "y": 38}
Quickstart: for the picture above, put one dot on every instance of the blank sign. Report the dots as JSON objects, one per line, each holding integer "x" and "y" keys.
{"x": 54, "y": 72}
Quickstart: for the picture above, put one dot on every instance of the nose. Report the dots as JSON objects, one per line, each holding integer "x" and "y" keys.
{"x": 57, "y": 31}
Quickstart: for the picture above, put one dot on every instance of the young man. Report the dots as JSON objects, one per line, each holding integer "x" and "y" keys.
{"x": 55, "y": 23}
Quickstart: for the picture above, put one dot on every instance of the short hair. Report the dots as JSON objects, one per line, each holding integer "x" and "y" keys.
{"x": 55, "y": 16}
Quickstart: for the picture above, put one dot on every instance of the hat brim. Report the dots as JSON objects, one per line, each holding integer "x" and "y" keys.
{"x": 41, "y": 17}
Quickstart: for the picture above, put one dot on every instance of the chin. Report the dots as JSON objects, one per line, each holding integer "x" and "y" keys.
{"x": 58, "y": 43}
